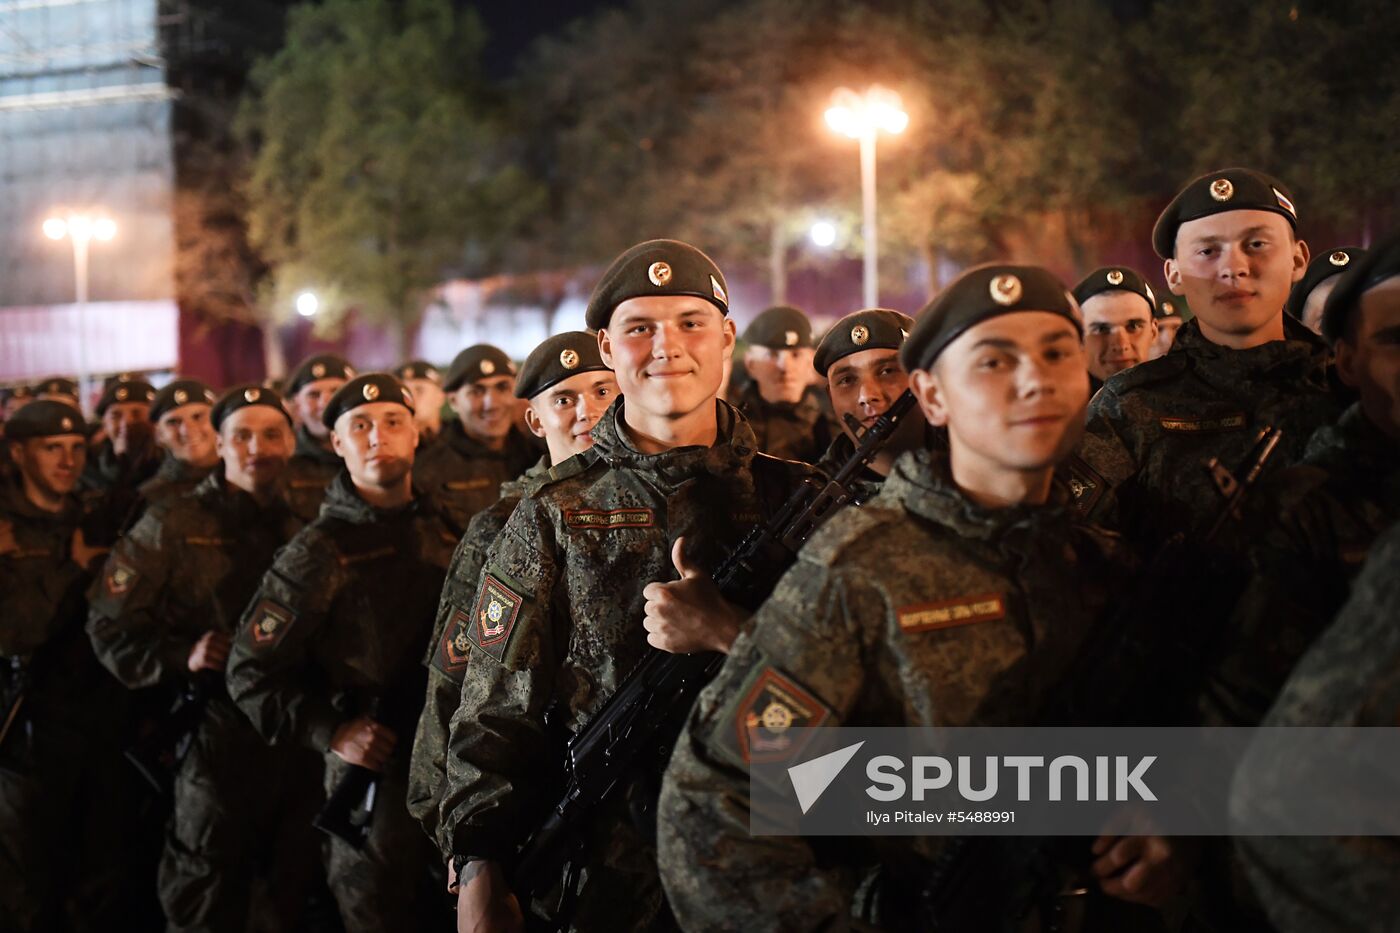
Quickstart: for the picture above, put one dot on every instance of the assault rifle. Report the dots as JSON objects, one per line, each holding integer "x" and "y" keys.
{"x": 972, "y": 871}
{"x": 157, "y": 756}
{"x": 640, "y": 722}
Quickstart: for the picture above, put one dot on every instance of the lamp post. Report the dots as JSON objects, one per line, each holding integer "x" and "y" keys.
{"x": 81, "y": 230}
{"x": 862, "y": 117}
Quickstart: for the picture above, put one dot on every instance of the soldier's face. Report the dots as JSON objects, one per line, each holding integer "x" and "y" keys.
{"x": 1235, "y": 270}
{"x": 127, "y": 425}
{"x": 52, "y": 464}
{"x": 185, "y": 431}
{"x": 427, "y": 400}
{"x": 1166, "y": 336}
{"x": 376, "y": 441}
{"x": 1368, "y": 355}
{"x": 781, "y": 375}
{"x": 864, "y": 385}
{"x": 486, "y": 407}
{"x": 255, "y": 444}
{"x": 1011, "y": 391}
{"x": 310, "y": 403}
{"x": 1118, "y": 332}
{"x": 1312, "y": 308}
{"x": 668, "y": 353}
{"x": 564, "y": 414}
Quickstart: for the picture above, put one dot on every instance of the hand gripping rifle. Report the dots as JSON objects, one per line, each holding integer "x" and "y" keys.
{"x": 640, "y": 722}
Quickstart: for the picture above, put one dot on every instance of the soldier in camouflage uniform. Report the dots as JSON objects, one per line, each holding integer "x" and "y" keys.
{"x": 1320, "y": 884}
{"x": 58, "y": 389}
{"x": 958, "y": 597}
{"x": 54, "y": 747}
{"x": 1118, "y": 328}
{"x": 1309, "y": 294}
{"x": 122, "y": 462}
{"x": 788, "y": 415}
{"x": 1229, "y": 245}
{"x": 859, "y": 356}
{"x": 314, "y": 465}
{"x": 1317, "y": 519}
{"x": 1168, "y": 317}
{"x": 169, "y": 602}
{"x": 180, "y": 412}
{"x": 327, "y": 654}
{"x": 483, "y": 447}
{"x": 557, "y": 619}
{"x": 568, "y": 388}
{"x": 425, "y": 382}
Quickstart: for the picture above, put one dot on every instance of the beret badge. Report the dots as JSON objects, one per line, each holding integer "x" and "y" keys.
{"x": 1221, "y": 189}
{"x": 318, "y": 370}
{"x": 1115, "y": 277}
{"x": 860, "y": 334}
{"x": 252, "y": 395}
{"x": 370, "y": 391}
{"x": 66, "y": 424}
{"x": 1005, "y": 290}
{"x": 659, "y": 273}
{"x": 122, "y": 394}
{"x": 1339, "y": 258}
{"x": 181, "y": 396}
{"x": 569, "y": 359}
{"x": 790, "y": 338}
{"x": 487, "y": 367}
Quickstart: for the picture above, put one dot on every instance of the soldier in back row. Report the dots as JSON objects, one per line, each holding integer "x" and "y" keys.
{"x": 314, "y": 464}
{"x": 180, "y": 412}
{"x": 788, "y": 415}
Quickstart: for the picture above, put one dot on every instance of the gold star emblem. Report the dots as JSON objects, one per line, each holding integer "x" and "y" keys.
{"x": 568, "y": 359}
{"x": 370, "y": 391}
{"x": 1115, "y": 277}
{"x": 487, "y": 367}
{"x": 1339, "y": 258}
{"x": 252, "y": 395}
{"x": 659, "y": 273}
{"x": 1005, "y": 289}
{"x": 1221, "y": 189}
{"x": 859, "y": 335}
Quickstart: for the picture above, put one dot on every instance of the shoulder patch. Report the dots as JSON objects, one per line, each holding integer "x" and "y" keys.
{"x": 1086, "y": 486}
{"x": 453, "y": 650}
{"x": 1234, "y": 421}
{"x": 493, "y": 617}
{"x": 121, "y": 577}
{"x": 948, "y": 613}
{"x": 269, "y": 623}
{"x": 756, "y": 725}
{"x": 609, "y": 518}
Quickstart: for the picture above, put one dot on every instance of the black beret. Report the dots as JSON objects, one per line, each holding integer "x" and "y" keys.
{"x": 15, "y": 391}
{"x": 45, "y": 418}
{"x": 978, "y": 295}
{"x": 1170, "y": 306}
{"x": 558, "y": 358}
{"x": 134, "y": 390}
{"x": 1231, "y": 189}
{"x": 320, "y": 366}
{"x": 1323, "y": 267}
{"x": 1114, "y": 279}
{"x": 871, "y": 329}
{"x": 362, "y": 390}
{"x": 119, "y": 377}
{"x": 180, "y": 392}
{"x": 419, "y": 369}
{"x": 779, "y": 328}
{"x": 657, "y": 267}
{"x": 1381, "y": 262}
{"x": 244, "y": 396}
{"x": 57, "y": 385}
{"x": 477, "y": 362}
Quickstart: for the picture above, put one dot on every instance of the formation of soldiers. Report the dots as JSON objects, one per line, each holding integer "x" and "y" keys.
{"x": 382, "y": 603}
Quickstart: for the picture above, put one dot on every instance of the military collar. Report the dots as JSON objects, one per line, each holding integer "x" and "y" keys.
{"x": 173, "y": 469}
{"x": 13, "y": 501}
{"x": 220, "y": 494}
{"x": 1301, "y": 354}
{"x": 456, "y": 437}
{"x": 922, "y": 482}
{"x": 732, "y": 451}
{"x": 344, "y": 502}
{"x": 309, "y": 447}
{"x": 807, "y": 407}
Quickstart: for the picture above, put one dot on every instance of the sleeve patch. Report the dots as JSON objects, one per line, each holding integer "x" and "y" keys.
{"x": 1086, "y": 486}
{"x": 269, "y": 623}
{"x": 1234, "y": 422}
{"x": 964, "y": 610}
{"x": 121, "y": 577}
{"x": 456, "y": 644}
{"x": 608, "y": 519}
{"x": 756, "y": 727}
{"x": 493, "y": 617}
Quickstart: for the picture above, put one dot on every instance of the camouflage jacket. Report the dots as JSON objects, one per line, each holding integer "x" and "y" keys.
{"x": 464, "y": 476}
{"x": 189, "y": 566}
{"x": 174, "y": 477}
{"x": 1141, "y": 465}
{"x": 556, "y": 624}
{"x": 110, "y": 492}
{"x": 918, "y": 609}
{"x": 790, "y": 432}
{"x": 309, "y": 473}
{"x": 1320, "y": 884}
{"x": 339, "y": 621}
{"x": 447, "y": 653}
{"x": 1311, "y": 528}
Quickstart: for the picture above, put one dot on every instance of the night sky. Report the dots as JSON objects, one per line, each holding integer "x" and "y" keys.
{"x": 512, "y": 25}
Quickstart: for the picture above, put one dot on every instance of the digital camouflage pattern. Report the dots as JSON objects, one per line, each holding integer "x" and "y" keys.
{"x": 336, "y": 627}
{"x": 1152, "y": 428}
{"x": 867, "y": 483}
{"x": 799, "y": 432}
{"x": 309, "y": 473}
{"x": 556, "y": 624}
{"x": 1312, "y": 528}
{"x": 465, "y": 476}
{"x": 918, "y": 609}
{"x": 174, "y": 477}
{"x": 110, "y": 491}
{"x": 446, "y": 658}
{"x": 190, "y": 566}
{"x": 1311, "y": 884}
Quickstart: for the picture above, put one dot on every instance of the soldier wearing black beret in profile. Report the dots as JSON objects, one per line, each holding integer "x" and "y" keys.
{"x": 1309, "y": 295}
{"x": 309, "y": 390}
{"x": 1119, "y": 321}
{"x": 788, "y": 414}
{"x": 424, "y": 380}
{"x": 1169, "y": 314}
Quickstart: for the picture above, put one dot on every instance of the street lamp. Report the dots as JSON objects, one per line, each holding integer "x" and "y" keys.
{"x": 81, "y": 230}
{"x": 307, "y": 304}
{"x": 863, "y": 117}
{"x": 823, "y": 233}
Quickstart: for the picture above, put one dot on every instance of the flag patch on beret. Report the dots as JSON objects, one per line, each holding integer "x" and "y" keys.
{"x": 493, "y": 617}
{"x": 1284, "y": 203}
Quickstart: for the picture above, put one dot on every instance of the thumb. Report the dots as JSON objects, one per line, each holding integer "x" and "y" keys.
{"x": 683, "y": 567}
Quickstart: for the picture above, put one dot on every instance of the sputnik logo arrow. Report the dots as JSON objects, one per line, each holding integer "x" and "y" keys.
{"x": 811, "y": 778}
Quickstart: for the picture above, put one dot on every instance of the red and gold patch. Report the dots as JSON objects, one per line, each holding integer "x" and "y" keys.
{"x": 269, "y": 623}
{"x": 121, "y": 577}
{"x": 609, "y": 519}
{"x": 455, "y": 647}
{"x": 772, "y": 706}
{"x": 948, "y": 613}
{"x": 493, "y": 617}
